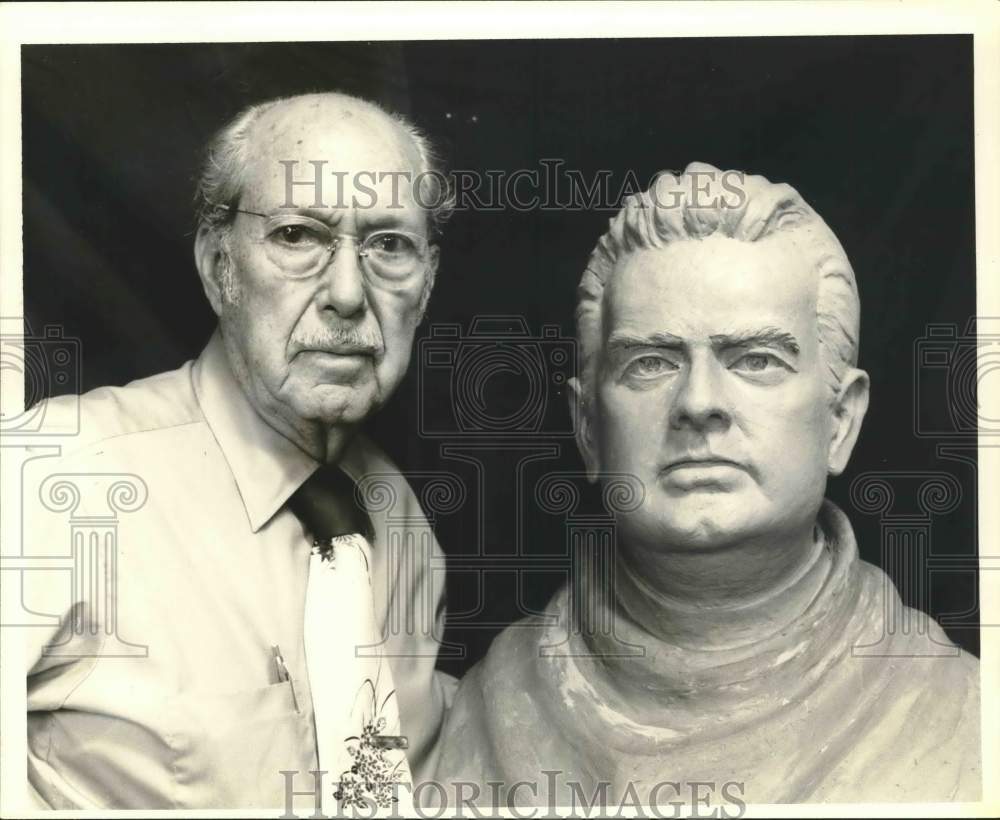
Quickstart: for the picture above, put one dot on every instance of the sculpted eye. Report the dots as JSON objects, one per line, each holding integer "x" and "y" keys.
{"x": 649, "y": 367}
{"x": 757, "y": 362}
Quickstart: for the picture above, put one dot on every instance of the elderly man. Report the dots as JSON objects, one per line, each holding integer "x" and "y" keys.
{"x": 745, "y": 654}
{"x": 240, "y": 658}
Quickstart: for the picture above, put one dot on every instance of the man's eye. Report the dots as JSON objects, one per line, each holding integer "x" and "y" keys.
{"x": 756, "y": 362}
{"x": 392, "y": 244}
{"x": 296, "y": 235}
{"x": 650, "y": 366}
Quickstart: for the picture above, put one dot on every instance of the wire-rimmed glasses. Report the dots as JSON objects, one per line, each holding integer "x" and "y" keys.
{"x": 301, "y": 246}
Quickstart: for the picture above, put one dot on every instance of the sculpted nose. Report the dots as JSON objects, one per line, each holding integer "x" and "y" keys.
{"x": 343, "y": 290}
{"x": 700, "y": 403}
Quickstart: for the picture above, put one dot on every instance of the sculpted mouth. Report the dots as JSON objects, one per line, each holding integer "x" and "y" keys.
{"x": 702, "y": 463}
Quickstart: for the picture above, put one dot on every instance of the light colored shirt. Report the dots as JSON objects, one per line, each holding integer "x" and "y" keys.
{"x": 160, "y": 690}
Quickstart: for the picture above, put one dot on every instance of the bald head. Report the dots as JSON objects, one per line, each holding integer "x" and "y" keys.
{"x": 248, "y": 152}
{"x": 333, "y": 128}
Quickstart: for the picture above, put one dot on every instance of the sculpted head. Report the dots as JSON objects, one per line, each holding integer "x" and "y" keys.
{"x": 317, "y": 324}
{"x": 718, "y": 331}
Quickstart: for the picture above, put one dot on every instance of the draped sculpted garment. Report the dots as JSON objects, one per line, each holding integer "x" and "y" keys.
{"x": 859, "y": 699}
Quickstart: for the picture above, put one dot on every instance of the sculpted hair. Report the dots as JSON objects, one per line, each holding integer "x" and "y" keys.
{"x": 705, "y": 201}
{"x": 220, "y": 182}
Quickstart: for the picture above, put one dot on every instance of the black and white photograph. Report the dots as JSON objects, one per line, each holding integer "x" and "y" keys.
{"x": 500, "y": 409}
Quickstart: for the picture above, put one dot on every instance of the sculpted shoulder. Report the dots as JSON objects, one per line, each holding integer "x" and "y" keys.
{"x": 498, "y": 711}
{"x": 926, "y": 743}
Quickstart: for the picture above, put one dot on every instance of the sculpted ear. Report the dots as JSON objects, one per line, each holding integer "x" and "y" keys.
{"x": 849, "y": 409}
{"x": 208, "y": 259}
{"x": 581, "y": 412}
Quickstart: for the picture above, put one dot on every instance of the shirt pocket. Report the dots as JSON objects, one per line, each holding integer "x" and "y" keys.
{"x": 230, "y": 748}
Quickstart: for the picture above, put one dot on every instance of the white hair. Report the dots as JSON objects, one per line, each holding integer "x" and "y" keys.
{"x": 704, "y": 201}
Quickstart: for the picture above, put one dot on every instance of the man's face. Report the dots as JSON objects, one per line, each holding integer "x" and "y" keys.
{"x": 710, "y": 389}
{"x": 330, "y": 347}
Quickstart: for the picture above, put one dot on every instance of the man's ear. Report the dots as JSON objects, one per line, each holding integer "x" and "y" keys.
{"x": 849, "y": 409}
{"x": 208, "y": 259}
{"x": 581, "y": 413}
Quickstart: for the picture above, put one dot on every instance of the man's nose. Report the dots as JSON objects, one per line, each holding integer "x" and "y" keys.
{"x": 700, "y": 401}
{"x": 343, "y": 287}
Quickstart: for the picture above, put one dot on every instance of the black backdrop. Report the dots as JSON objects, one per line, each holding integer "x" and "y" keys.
{"x": 875, "y": 132}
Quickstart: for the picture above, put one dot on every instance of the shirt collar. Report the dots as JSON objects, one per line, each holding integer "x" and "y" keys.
{"x": 267, "y": 467}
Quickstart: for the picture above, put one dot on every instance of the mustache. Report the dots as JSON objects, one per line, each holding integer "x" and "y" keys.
{"x": 342, "y": 340}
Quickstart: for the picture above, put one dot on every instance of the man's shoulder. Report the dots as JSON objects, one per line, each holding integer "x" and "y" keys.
{"x": 118, "y": 415}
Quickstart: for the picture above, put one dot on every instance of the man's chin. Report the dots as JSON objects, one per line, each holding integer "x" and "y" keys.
{"x": 336, "y": 405}
{"x": 687, "y": 525}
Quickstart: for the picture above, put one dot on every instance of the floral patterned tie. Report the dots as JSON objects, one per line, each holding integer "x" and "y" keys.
{"x": 358, "y": 733}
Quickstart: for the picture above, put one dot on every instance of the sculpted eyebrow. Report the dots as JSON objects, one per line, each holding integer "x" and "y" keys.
{"x": 624, "y": 341}
{"x": 766, "y": 337}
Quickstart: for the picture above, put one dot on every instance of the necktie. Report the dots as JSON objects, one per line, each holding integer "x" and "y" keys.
{"x": 358, "y": 733}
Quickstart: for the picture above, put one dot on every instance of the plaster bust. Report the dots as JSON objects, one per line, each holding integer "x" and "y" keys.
{"x": 718, "y": 327}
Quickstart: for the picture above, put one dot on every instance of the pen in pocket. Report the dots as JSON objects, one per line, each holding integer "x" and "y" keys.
{"x": 279, "y": 663}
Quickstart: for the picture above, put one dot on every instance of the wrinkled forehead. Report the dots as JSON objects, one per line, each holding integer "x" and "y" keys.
{"x": 348, "y": 147}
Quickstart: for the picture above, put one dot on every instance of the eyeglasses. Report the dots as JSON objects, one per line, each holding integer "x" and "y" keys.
{"x": 302, "y": 247}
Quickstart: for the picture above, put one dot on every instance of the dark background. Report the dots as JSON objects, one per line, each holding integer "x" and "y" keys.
{"x": 875, "y": 132}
